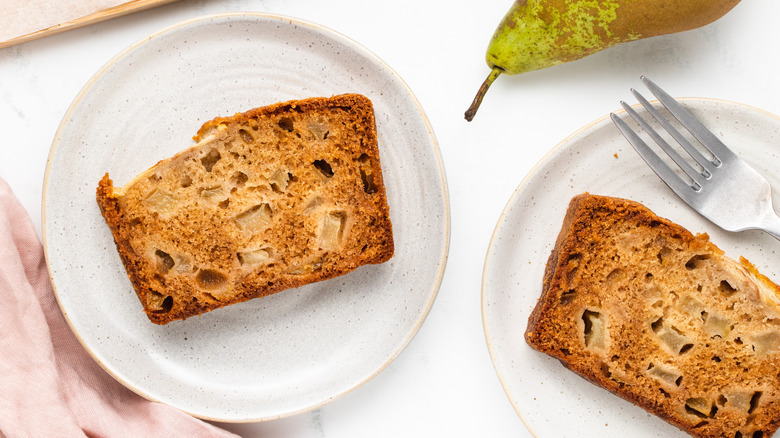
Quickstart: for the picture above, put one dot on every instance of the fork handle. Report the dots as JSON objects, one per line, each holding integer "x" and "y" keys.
{"x": 771, "y": 224}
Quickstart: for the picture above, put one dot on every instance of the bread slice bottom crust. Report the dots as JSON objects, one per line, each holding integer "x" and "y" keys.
{"x": 643, "y": 308}
{"x": 270, "y": 199}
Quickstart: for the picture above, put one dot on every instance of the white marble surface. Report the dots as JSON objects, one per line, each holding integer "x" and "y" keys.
{"x": 443, "y": 383}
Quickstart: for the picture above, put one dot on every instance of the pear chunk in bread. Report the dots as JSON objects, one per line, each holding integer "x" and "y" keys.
{"x": 267, "y": 200}
{"x": 645, "y": 309}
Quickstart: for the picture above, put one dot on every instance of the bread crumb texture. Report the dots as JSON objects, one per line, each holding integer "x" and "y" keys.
{"x": 267, "y": 200}
{"x": 640, "y": 306}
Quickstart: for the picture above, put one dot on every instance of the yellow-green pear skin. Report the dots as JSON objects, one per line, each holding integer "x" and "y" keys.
{"x": 537, "y": 34}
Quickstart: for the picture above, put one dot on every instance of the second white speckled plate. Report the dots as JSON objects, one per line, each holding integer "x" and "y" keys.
{"x": 266, "y": 358}
{"x": 552, "y": 401}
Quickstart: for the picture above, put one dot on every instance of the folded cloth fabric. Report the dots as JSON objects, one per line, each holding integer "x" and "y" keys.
{"x": 49, "y": 385}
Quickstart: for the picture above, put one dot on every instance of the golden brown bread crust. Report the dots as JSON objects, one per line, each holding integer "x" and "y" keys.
{"x": 643, "y": 308}
{"x": 270, "y": 199}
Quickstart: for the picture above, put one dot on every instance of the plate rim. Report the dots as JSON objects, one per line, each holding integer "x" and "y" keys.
{"x": 432, "y": 290}
{"x": 524, "y": 182}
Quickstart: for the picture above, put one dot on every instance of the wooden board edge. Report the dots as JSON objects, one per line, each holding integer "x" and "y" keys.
{"x": 106, "y": 14}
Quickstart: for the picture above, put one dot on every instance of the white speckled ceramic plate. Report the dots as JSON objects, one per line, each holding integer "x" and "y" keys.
{"x": 266, "y": 358}
{"x": 552, "y": 401}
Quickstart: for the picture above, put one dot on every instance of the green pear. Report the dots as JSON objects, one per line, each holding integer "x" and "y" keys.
{"x": 537, "y": 34}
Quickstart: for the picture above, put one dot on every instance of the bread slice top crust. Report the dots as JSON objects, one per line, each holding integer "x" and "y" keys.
{"x": 270, "y": 199}
{"x": 643, "y": 308}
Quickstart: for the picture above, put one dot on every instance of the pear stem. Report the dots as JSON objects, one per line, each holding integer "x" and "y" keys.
{"x": 472, "y": 111}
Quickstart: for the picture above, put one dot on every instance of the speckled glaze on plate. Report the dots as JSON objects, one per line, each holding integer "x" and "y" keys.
{"x": 551, "y": 400}
{"x": 267, "y": 358}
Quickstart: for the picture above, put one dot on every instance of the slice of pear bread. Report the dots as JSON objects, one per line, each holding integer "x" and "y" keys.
{"x": 267, "y": 200}
{"x": 643, "y": 308}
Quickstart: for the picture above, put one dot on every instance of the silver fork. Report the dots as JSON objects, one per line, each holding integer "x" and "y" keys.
{"x": 725, "y": 189}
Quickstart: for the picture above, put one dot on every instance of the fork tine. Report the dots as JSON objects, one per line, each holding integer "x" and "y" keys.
{"x": 652, "y": 159}
{"x": 706, "y": 164}
{"x": 704, "y": 135}
{"x": 690, "y": 171}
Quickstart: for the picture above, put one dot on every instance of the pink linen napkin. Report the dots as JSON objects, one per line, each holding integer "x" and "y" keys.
{"x": 49, "y": 385}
